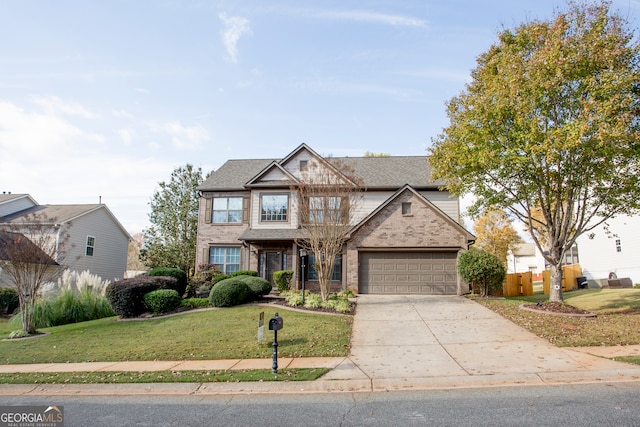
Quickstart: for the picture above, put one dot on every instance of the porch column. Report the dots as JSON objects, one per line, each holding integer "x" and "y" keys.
{"x": 295, "y": 264}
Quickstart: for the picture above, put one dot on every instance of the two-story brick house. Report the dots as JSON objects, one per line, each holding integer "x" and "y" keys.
{"x": 405, "y": 239}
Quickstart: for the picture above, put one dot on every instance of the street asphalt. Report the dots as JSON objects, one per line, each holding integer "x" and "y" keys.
{"x": 399, "y": 342}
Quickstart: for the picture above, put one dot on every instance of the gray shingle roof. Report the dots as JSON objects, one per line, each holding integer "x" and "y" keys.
{"x": 375, "y": 172}
{"x": 61, "y": 213}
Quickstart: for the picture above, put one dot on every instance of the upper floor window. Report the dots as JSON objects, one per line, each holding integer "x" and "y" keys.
{"x": 91, "y": 244}
{"x": 227, "y": 209}
{"x": 274, "y": 207}
{"x": 303, "y": 165}
{"x": 618, "y": 245}
{"x": 323, "y": 209}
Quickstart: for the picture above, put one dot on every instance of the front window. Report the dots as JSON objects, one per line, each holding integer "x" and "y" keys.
{"x": 91, "y": 243}
{"x": 227, "y": 259}
{"x": 325, "y": 207}
{"x": 227, "y": 209}
{"x": 312, "y": 274}
{"x": 274, "y": 207}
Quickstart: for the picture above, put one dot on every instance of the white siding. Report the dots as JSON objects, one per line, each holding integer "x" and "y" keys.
{"x": 599, "y": 255}
{"x": 109, "y": 260}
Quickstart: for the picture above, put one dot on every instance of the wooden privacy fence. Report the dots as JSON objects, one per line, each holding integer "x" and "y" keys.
{"x": 517, "y": 284}
{"x": 569, "y": 275}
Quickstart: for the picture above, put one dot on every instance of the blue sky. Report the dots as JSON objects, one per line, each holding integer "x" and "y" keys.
{"x": 106, "y": 98}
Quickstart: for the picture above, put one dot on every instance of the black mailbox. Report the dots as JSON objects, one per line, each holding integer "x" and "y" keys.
{"x": 276, "y": 323}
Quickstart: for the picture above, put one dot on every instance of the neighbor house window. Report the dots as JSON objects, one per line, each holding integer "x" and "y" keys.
{"x": 618, "y": 246}
{"x": 227, "y": 210}
{"x": 337, "y": 268}
{"x": 303, "y": 165}
{"x": 325, "y": 207}
{"x": 91, "y": 244}
{"x": 274, "y": 207}
{"x": 227, "y": 259}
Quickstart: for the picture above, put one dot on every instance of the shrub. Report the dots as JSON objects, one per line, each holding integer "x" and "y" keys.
{"x": 282, "y": 280}
{"x": 207, "y": 272}
{"x": 313, "y": 301}
{"x": 347, "y": 293}
{"x": 162, "y": 300}
{"x": 259, "y": 287}
{"x": 294, "y": 298}
{"x": 244, "y": 273}
{"x": 9, "y": 300}
{"x": 180, "y": 276}
{"x": 127, "y": 296}
{"x": 68, "y": 306}
{"x": 192, "y": 303}
{"x": 229, "y": 292}
{"x": 483, "y": 269}
{"x": 341, "y": 305}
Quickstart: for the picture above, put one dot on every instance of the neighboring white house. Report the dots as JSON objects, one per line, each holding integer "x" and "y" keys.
{"x": 601, "y": 253}
{"x": 616, "y": 252}
{"x": 526, "y": 257}
{"x": 97, "y": 241}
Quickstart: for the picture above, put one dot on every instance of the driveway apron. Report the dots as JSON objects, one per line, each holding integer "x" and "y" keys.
{"x": 415, "y": 336}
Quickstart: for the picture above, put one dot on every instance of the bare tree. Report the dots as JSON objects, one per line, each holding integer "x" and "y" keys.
{"x": 133, "y": 253}
{"x": 32, "y": 252}
{"x": 328, "y": 198}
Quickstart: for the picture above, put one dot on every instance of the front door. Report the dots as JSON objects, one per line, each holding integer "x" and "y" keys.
{"x": 274, "y": 263}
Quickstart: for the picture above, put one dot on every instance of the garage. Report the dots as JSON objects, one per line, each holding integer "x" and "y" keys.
{"x": 425, "y": 273}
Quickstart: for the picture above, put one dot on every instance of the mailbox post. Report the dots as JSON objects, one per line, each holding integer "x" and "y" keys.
{"x": 275, "y": 325}
{"x": 303, "y": 257}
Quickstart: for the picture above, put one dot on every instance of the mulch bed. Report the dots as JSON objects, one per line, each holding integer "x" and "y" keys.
{"x": 557, "y": 308}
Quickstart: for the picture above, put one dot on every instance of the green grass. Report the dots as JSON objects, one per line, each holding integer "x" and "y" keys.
{"x": 617, "y": 323}
{"x": 200, "y": 335}
{"x": 306, "y": 374}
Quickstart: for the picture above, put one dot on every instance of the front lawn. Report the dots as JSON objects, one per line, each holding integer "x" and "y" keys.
{"x": 617, "y": 323}
{"x": 229, "y": 333}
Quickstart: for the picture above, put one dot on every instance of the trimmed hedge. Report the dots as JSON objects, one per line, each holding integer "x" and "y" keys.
{"x": 282, "y": 279}
{"x": 180, "y": 276}
{"x": 221, "y": 277}
{"x": 259, "y": 286}
{"x": 230, "y": 292}
{"x": 126, "y": 296}
{"x": 9, "y": 300}
{"x": 162, "y": 300}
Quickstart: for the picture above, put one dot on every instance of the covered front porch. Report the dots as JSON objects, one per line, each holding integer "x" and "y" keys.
{"x": 273, "y": 250}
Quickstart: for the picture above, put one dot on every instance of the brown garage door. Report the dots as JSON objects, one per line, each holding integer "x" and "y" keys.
{"x": 428, "y": 273}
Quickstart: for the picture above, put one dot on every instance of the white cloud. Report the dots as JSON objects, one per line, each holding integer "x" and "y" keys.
{"x": 234, "y": 28}
{"x": 55, "y": 105}
{"x": 122, "y": 114}
{"x": 182, "y": 137}
{"x": 371, "y": 17}
{"x": 126, "y": 135}
{"x": 39, "y": 135}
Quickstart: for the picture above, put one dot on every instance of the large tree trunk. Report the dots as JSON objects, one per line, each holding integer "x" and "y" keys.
{"x": 555, "y": 291}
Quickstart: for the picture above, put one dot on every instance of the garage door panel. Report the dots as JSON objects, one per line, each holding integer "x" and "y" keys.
{"x": 428, "y": 273}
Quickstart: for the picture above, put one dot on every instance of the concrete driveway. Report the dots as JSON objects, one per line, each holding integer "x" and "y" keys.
{"x": 411, "y": 341}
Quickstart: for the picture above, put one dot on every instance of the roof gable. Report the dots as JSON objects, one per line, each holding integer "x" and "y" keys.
{"x": 470, "y": 237}
{"x": 274, "y": 173}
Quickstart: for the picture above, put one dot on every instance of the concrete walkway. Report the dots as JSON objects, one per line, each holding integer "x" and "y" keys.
{"x": 398, "y": 343}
